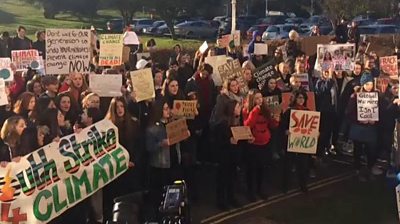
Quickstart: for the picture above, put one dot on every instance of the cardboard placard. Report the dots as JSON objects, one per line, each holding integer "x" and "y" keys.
{"x": 242, "y": 133}
{"x": 6, "y": 72}
{"x": 67, "y": 50}
{"x": 286, "y": 97}
{"x": 303, "y": 131}
{"x": 260, "y": 49}
{"x": 367, "y": 106}
{"x": 143, "y": 84}
{"x": 111, "y": 46}
{"x": 177, "y": 131}
{"x": 44, "y": 184}
{"x": 381, "y": 84}
{"x": 3, "y": 94}
{"x": 262, "y": 73}
{"x": 232, "y": 69}
{"x": 215, "y": 62}
{"x": 106, "y": 85}
{"x": 185, "y": 108}
{"x": 389, "y": 66}
{"x": 309, "y": 44}
{"x": 340, "y": 57}
{"x": 24, "y": 59}
{"x": 303, "y": 78}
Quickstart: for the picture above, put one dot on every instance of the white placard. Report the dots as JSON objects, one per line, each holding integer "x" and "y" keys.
{"x": 6, "y": 72}
{"x": 24, "y": 59}
{"x": 367, "y": 106}
{"x": 203, "y": 47}
{"x": 3, "y": 95}
{"x": 261, "y": 49}
{"x": 143, "y": 84}
{"x": 106, "y": 85}
{"x": 67, "y": 50}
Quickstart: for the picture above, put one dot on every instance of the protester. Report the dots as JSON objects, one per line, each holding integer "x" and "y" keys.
{"x": 21, "y": 42}
{"x": 40, "y": 43}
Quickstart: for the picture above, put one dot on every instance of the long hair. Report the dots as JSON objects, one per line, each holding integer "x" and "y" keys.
{"x": 9, "y": 133}
{"x": 70, "y": 115}
{"x": 157, "y": 110}
{"x": 112, "y": 110}
{"x": 85, "y": 100}
{"x": 251, "y": 102}
{"x": 296, "y": 94}
{"x": 21, "y": 106}
{"x": 42, "y": 104}
{"x": 168, "y": 96}
{"x": 228, "y": 112}
{"x": 50, "y": 120}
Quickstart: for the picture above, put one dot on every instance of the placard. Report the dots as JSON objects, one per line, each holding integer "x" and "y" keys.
{"x": 6, "y": 72}
{"x": 242, "y": 133}
{"x": 223, "y": 42}
{"x": 260, "y": 49}
{"x": 106, "y": 85}
{"x": 3, "y": 94}
{"x": 143, "y": 84}
{"x": 236, "y": 38}
{"x": 177, "y": 131}
{"x": 398, "y": 199}
{"x": 215, "y": 62}
{"x": 24, "y": 59}
{"x": 203, "y": 48}
{"x": 263, "y": 73}
{"x": 340, "y": 57}
{"x": 49, "y": 181}
{"x": 309, "y": 44}
{"x": 303, "y": 131}
{"x": 367, "y": 106}
{"x": 185, "y": 108}
{"x": 286, "y": 97}
{"x": 231, "y": 69}
{"x": 273, "y": 104}
{"x": 111, "y": 49}
{"x": 67, "y": 50}
{"x": 303, "y": 78}
{"x": 381, "y": 84}
{"x": 389, "y": 66}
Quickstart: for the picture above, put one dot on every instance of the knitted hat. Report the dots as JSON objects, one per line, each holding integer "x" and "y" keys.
{"x": 366, "y": 77}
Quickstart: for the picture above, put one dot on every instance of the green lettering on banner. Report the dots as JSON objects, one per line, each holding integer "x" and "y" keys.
{"x": 63, "y": 146}
{"x": 99, "y": 173}
{"x": 36, "y": 205}
{"x": 70, "y": 190}
{"x": 80, "y": 181}
{"x": 121, "y": 163}
{"x": 58, "y": 206}
{"x": 107, "y": 160}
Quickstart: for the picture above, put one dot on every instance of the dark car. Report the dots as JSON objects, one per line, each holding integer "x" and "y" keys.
{"x": 325, "y": 25}
{"x": 153, "y": 28}
{"x": 378, "y": 29}
{"x": 115, "y": 25}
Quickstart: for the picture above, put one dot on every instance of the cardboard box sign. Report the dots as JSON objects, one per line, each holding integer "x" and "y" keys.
{"x": 241, "y": 133}
{"x": 185, "y": 108}
{"x": 177, "y": 131}
{"x": 143, "y": 84}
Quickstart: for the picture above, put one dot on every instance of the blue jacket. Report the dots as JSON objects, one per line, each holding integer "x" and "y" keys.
{"x": 253, "y": 41}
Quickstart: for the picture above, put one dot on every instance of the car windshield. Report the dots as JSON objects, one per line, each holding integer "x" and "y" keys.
{"x": 145, "y": 22}
{"x": 313, "y": 19}
{"x": 272, "y": 29}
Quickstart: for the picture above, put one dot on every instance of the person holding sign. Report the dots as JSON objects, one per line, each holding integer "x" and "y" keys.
{"x": 290, "y": 159}
{"x": 228, "y": 149}
{"x": 363, "y": 132}
{"x": 257, "y": 116}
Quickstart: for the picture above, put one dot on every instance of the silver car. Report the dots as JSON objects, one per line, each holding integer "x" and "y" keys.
{"x": 277, "y": 32}
{"x": 139, "y": 24}
{"x": 196, "y": 29}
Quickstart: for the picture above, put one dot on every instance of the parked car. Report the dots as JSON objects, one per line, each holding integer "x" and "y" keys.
{"x": 139, "y": 24}
{"x": 153, "y": 28}
{"x": 162, "y": 30}
{"x": 378, "y": 29}
{"x": 364, "y": 22}
{"x": 115, "y": 25}
{"x": 295, "y": 21}
{"x": 277, "y": 32}
{"x": 196, "y": 29}
{"x": 323, "y": 22}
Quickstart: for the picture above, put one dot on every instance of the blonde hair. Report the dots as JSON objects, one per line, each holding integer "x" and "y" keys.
{"x": 9, "y": 133}
{"x": 85, "y": 100}
{"x": 293, "y": 35}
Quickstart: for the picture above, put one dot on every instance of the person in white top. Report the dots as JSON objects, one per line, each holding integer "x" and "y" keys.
{"x": 132, "y": 41}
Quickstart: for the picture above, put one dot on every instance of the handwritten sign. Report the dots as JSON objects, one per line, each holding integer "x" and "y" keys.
{"x": 303, "y": 131}
{"x": 110, "y": 49}
{"x": 367, "y": 106}
{"x": 143, "y": 84}
{"x": 241, "y": 133}
{"x": 286, "y": 99}
{"x": 185, "y": 108}
{"x": 215, "y": 62}
{"x": 263, "y": 73}
{"x": 340, "y": 57}
{"x": 388, "y": 65}
{"x": 177, "y": 131}
{"x": 106, "y": 85}
{"x": 49, "y": 181}
{"x": 67, "y": 50}
{"x": 25, "y": 59}
{"x": 6, "y": 72}
{"x": 3, "y": 94}
{"x": 231, "y": 69}
{"x": 381, "y": 84}
{"x": 261, "y": 49}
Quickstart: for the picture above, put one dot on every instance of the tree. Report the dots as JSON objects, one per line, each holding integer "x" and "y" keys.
{"x": 127, "y": 8}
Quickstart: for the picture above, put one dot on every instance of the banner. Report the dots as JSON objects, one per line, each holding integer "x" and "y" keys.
{"x": 3, "y": 94}
{"x": 24, "y": 59}
{"x": 6, "y": 72}
{"x": 106, "y": 85}
{"x": 110, "y": 49}
{"x": 381, "y": 84}
{"x": 367, "y": 106}
{"x": 303, "y": 131}
{"x": 67, "y": 50}
{"x": 143, "y": 84}
{"x": 339, "y": 57}
{"x": 56, "y": 177}
{"x": 241, "y": 133}
{"x": 262, "y": 73}
{"x": 286, "y": 99}
{"x": 303, "y": 78}
{"x": 388, "y": 66}
{"x": 177, "y": 131}
{"x": 185, "y": 108}
{"x": 215, "y": 62}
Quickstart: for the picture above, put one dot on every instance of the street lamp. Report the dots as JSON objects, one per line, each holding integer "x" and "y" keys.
{"x": 233, "y": 28}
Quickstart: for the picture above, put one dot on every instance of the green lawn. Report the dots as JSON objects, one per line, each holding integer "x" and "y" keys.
{"x": 14, "y": 13}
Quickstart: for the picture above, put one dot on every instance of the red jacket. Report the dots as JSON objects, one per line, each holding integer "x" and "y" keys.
{"x": 260, "y": 126}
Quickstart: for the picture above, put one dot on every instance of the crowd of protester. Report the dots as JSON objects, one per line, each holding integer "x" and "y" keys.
{"x": 43, "y": 109}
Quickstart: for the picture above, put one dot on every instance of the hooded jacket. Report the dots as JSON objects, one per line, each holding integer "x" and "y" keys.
{"x": 254, "y": 41}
